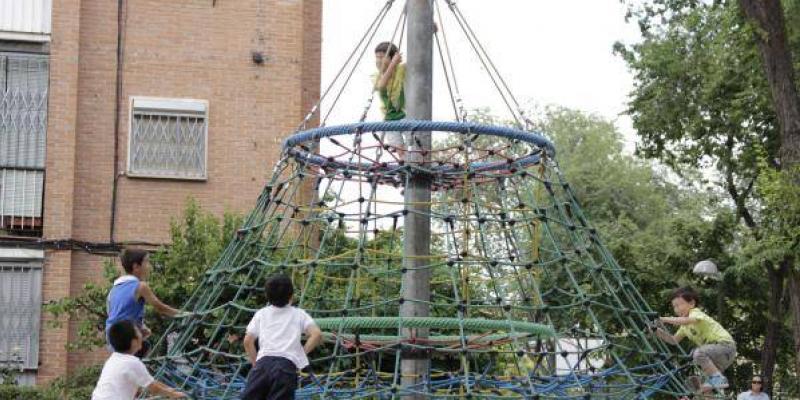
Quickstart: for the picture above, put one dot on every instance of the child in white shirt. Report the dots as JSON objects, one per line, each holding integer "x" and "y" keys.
{"x": 123, "y": 373}
{"x": 277, "y": 328}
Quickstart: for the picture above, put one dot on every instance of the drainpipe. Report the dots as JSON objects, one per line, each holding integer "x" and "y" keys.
{"x": 122, "y": 15}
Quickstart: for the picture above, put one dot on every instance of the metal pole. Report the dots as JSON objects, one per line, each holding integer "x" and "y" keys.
{"x": 417, "y": 224}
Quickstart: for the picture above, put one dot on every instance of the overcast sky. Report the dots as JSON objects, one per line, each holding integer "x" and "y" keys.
{"x": 549, "y": 51}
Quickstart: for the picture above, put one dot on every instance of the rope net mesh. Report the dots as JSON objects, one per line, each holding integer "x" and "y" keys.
{"x": 526, "y": 302}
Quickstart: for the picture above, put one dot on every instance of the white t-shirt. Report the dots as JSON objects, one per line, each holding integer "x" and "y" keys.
{"x": 278, "y": 330}
{"x": 122, "y": 375}
{"x": 749, "y": 395}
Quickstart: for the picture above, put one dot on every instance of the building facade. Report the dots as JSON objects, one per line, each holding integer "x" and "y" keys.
{"x": 113, "y": 114}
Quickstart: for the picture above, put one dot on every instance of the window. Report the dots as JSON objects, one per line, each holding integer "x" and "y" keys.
{"x": 23, "y": 127}
{"x": 168, "y": 138}
{"x": 20, "y": 308}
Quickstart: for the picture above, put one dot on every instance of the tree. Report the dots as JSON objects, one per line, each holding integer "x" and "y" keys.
{"x": 776, "y": 56}
{"x": 702, "y": 100}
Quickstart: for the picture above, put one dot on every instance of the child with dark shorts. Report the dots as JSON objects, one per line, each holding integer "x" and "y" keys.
{"x": 277, "y": 328}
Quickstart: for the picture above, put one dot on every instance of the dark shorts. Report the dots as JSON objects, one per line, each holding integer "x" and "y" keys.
{"x": 272, "y": 378}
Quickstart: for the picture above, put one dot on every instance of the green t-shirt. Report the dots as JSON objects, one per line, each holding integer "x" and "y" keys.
{"x": 393, "y": 110}
{"x": 393, "y": 96}
{"x": 705, "y": 330}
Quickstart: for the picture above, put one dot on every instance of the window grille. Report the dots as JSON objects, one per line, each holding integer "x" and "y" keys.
{"x": 168, "y": 139}
{"x": 20, "y": 313}
{"x": 23, "y": 128}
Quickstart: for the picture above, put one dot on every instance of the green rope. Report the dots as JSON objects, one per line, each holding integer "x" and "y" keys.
{"x": 473, "y": 324}
{"x": 330, "y": 337}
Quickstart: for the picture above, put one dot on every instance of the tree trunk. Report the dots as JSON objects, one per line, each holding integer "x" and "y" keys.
{"x": 794, "y": 309}
{"x": 768, "y": 18}
{"x": 774, "y": 324}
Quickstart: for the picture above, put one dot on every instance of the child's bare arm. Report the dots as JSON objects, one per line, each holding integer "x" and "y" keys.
{"x": 150, "y": 298}
{"x": 384, "y": 79}
{"x": 250, "y": 348}
{"x": 667, "y": 337}
{"x": 159, "y": 389}
{"x": 314, "y": 337}
{"x": 678, "y": 320}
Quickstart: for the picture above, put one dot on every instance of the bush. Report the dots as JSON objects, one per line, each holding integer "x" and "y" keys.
{"x": 77, "y": 386}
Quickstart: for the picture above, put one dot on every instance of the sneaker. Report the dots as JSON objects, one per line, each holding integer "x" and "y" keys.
{"x": 716, "y": 382}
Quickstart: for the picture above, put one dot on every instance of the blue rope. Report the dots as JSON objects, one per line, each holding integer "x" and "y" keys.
{"x": 208, "y": 383}
{"x": 294, "y": 145}
{"x": 310, "y": 135}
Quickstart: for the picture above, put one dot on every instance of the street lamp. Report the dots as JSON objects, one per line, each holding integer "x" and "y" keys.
{"x": 707, "y": 269}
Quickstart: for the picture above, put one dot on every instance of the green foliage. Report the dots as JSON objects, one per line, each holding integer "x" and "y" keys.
{"x": 700, "y": 95}
{"x": 780, "y": 239}
{"x": 77, "y": 386}
{"x": 196, "y": 242}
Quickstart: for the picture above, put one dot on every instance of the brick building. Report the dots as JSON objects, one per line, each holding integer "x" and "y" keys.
{"x": 112, "y": 113}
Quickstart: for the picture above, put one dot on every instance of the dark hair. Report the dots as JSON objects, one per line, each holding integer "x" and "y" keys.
{"x": 130, "y": 257}
{"x": 686, "y": 293}
{"x": 387, "y": 48}
{"x": 279, "y": 289}
{"x": 121, "y": 334}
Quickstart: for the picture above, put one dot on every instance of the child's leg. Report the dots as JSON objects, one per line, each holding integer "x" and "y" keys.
{"x": 259, "y": 381}
{"x": 395, "y": 141}
{"x": 284, "y": 378}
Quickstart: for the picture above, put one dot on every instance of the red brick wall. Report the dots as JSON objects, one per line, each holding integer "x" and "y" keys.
{"x": 176, "y": 49}
{"x": 60, "y": 177}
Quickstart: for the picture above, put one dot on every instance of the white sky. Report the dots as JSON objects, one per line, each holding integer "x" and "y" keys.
{"x": 549, "y": 51}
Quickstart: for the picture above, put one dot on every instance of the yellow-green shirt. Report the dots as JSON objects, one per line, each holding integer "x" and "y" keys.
{"x": 393, "y": 97}
{"x": 705, "y": 330}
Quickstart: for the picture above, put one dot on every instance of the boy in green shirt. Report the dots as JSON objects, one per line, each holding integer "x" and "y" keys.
{"x": 716, "y": 349}
{"x": 389, "y": 83}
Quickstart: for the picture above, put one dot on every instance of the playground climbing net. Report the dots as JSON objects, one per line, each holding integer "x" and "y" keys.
{"x": 526, "y": 302}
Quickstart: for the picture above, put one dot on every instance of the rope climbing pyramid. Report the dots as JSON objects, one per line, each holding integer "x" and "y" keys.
{"x": 525, "y": 300}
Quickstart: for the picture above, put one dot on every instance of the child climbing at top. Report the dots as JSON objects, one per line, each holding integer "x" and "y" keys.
{"x": 716, "y": 349}
{"x": 389, "y": 83}
{"x": 123, "y": 373}
{"x": 277, "y": 328}
{"x": 130, "y": 292}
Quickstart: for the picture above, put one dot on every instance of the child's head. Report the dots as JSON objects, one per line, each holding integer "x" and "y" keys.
{"x": 125, "y": 337}
{"x": 383, "y": 54}
{"x": 684, "y": 300}
{"x": 134, "y": 261}
{"x": 279, "y": 290}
